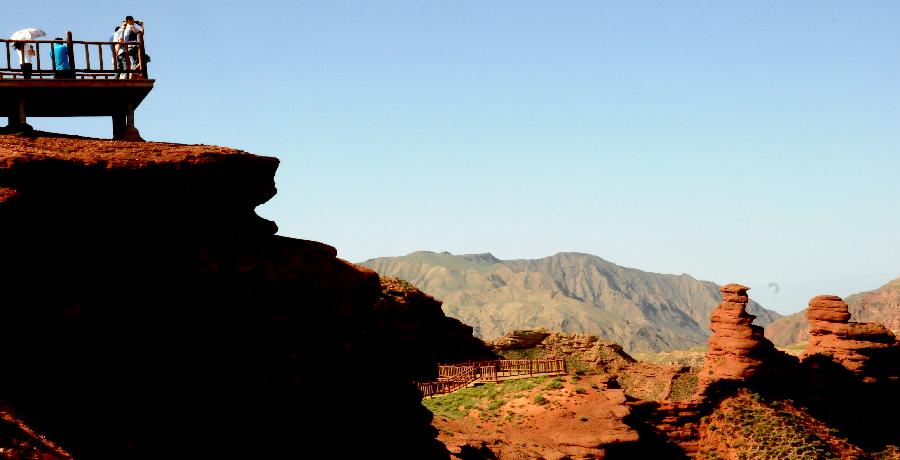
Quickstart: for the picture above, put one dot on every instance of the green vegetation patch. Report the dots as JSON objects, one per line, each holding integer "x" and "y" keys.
{"x": 752, "y": 429}
{"x": 577, "y": 366}
{"x": 528, "y": 353}
{"x": 488, "y": 398}
{"x": 555, "y": 384}
{"x": 683, "y": 386}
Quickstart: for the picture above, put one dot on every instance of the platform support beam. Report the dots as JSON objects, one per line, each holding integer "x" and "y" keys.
{"x": 123, "y": 125}
{"x": 17, "y": 122}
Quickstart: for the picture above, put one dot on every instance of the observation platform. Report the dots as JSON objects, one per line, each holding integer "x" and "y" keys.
{"x": 87, "y": 91}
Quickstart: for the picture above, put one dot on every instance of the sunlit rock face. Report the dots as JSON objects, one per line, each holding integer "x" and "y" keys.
{"x": 869, "y": 350}
{"x": 738, "y": 350}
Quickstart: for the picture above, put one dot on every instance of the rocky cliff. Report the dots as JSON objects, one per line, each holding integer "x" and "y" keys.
{"x": 567, "y": 292}
{"x": 148, "y": 312}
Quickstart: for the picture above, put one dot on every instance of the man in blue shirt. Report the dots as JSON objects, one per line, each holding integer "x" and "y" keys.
{"x": 61, "y": 61}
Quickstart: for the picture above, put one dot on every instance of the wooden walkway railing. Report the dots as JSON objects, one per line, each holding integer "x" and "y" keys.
{"x": 85, "y": 51}
{"x": 455, "y": 376}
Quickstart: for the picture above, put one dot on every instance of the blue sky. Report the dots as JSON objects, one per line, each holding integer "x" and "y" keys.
{"x": 749, "y": 143}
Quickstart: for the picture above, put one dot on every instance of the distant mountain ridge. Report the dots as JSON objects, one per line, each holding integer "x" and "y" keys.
{"x": 568, "y": 292}
{"x": 881, "y": 306}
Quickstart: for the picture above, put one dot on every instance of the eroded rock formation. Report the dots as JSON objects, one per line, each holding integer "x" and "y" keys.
{"x": 869, "y": 350}
{"x": 148, "y": 312}
{"x": 738, "y": 349}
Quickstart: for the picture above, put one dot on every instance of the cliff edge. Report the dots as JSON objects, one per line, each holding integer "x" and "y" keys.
{"x": 149, "y": 312}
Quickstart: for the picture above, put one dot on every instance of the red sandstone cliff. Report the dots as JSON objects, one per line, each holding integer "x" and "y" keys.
{"x": 148, "y": 312}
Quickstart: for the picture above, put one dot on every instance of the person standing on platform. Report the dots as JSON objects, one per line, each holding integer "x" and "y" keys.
{"x": 62, "y": 68}
{"x": 115, "y": 49}
{"x": 25, "y": 53}
{"x": 131, "y": 29}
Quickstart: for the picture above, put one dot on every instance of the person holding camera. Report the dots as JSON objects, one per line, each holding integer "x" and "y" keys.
{"x": 128, "y": 32}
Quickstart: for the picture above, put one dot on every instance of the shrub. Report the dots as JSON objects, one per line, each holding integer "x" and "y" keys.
{"x": 555, "y": 384}
{"x": 495, "y": 404}
{"x": 580, "y": 390}
{"x": 540, "y": 400}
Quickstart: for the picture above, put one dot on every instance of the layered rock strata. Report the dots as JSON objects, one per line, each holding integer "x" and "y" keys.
{"x": 738, "y": 349}
{"x": 148, "y": 312}
{"x": 869, "y": 350}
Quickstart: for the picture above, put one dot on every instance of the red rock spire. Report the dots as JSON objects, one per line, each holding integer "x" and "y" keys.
{"x": 737, "y": 348}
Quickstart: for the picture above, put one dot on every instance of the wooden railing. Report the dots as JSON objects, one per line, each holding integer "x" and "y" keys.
{"x": 464, "y": 377}
{"x": 81, "y": 55}
{"x": 452, "y": 377}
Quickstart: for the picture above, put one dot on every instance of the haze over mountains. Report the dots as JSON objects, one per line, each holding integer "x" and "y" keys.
{"x": 568, "y": 292}
{"x": 881, "y": 306}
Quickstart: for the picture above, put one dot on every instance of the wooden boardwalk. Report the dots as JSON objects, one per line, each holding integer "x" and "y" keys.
{"x": 452, "y": 377}
{"x": 92, "y": 89}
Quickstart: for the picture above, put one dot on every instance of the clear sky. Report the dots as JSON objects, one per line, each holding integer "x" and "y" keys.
{"x": 749, "y": 142}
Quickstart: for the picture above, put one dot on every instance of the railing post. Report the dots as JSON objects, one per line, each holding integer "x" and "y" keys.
{"x": 70, "y": 48}
{"x": 37, "y": 55}
{"x": 141, "y": 62}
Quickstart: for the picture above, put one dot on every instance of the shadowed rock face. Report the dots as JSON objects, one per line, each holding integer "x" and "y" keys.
{"x": 148, "y": 312}
{"x": 866, "y": 349}
{"x": 414, "y": 329}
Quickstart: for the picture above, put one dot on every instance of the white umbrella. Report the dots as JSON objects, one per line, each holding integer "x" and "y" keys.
{"x": 27, "y": 34}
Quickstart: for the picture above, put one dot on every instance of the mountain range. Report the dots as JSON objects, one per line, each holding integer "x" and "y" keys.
{"x": 568, "y": 292}
{"x": 881, "y": 305}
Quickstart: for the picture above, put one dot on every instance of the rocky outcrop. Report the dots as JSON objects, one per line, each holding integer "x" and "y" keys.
{"x": 737, "y": 349}
{"x": 869, "y": 350}
{"x": 589, "y": 354}
{"x": 417, "y": 333}
{"x": 880, "y": 306}
{"x": 584, "y": 349}
{"x": 148, "y": 312}
{"x": 521, "y": 339}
